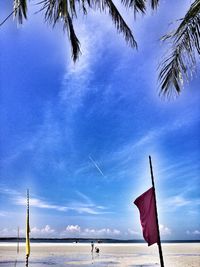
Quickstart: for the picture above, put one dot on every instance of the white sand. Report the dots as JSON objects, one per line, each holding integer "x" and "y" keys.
{"x": 43, "y": 254}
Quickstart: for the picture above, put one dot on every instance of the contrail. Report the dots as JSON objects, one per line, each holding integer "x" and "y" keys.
{"x": 95, "y": 164}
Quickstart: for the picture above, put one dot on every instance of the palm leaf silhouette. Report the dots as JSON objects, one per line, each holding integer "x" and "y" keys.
{"x": 65, "y": 11}
{"x": 179, "y": 65}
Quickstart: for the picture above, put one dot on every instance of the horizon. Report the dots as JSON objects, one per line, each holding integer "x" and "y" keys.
{"x": 79, "y": 136}
{"x": 89, "y": 239}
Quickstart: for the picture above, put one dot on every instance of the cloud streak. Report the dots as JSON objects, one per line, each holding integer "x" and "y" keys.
{"x": 154, "y": 135}
{"x": 86, "y": 206}
{"x": 70, "y": 231}
{"x": 193, "y": 232}
{"x": 78, "y": 207}
{"x": 46, "y": 231}
{"x": 180, "y": 201}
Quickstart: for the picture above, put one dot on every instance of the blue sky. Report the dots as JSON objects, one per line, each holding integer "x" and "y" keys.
{"x": 78, "y": 136}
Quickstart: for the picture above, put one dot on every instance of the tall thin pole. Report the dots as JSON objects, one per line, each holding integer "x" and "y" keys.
{"x": 27, "y": 230}
{"x": 159, "y": 243}
{"x": 26, "y": 260}
{"x": 18, "y": 240}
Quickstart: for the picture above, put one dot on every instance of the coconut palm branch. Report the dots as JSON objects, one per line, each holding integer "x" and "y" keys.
{"x": 179, "y": 65}
{"x": 20, "y": 10}
{"x": 117, "y": 18}
{"x": 66, "y": 10}
{"x": 140, "y": 6}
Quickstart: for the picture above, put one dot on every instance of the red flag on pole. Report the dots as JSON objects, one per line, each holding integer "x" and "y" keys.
{"x": 147, "y": 209}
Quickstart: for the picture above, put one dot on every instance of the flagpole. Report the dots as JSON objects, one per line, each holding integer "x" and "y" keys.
{"x": 159, "y": 243}
{"x": 26, "y": 260}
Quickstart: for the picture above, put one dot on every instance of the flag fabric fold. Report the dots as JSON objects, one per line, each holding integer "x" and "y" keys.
{"x": 147, "y": 209}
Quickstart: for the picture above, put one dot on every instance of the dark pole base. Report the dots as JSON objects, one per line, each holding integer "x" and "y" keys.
{"x": 26, "y": 261}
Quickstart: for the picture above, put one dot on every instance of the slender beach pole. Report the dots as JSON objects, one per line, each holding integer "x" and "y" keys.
{"x": 159, "y": 243}
{"x": 26, "y": 260}
{"x": 18, "y": 240}
{"x": 27, "y": 230}
{"x": 17, "y": 245}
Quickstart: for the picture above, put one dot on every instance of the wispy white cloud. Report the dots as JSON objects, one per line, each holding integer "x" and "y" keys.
{"x": 153, "y": 135}
{"x": 84, "y": 197}
{"x": 5, "y": 232}
{"x": 95, "y": 38}
{"x": 10, "y": 232}
{"x": 106, "y": 232}
{"x": 74, "y": 87}
{"x": 88, "y": 210}
{"x": 180, "y": 201}
{"x": 121, "y": 161}
{"x": 69, "y": 231}
{"x": 38, "y": 203}
{"x": 77, "y": 231}
{"x": 8, "y": 191}
{"x": 76, "y": 80}
{"x": 85, "y": 206}
{"x": 196, "y": 232}
{"x": 132, "y": 232}
{"x": 5, "y": 213}
{"x": 184, "y": 167}
{"x": 193, "y": 232}
{"x": 46, "y": 231}
{"x": 73, "y": 229}
{"x": 164, "y": 230}
{"x": 47, "y": 137}
{"x": 72, "y": 206}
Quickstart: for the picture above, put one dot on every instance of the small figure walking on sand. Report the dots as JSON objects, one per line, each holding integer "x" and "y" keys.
{"x": 92, "y": 247}
{"x": 96, "y": 249}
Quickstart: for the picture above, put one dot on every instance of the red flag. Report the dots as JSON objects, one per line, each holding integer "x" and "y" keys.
{"x": 146, "y": 206}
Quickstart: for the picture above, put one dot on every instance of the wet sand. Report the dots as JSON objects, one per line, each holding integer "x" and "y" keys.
{"x": 119, "y": 255}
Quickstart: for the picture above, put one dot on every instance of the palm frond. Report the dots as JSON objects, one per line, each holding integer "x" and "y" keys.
{"x": 137, "y": 5}
{"x": 179, "y": 65}
{"x": 140, "y": 6}
{"x": 20, "y": 10}
{"x": 154, "y": 4}
{"x": 83, "y": 5}
{"x": 172, "y": 71}
{"x": 64, "y": 11}
{"x": 118, "y": 20}
{"x": 120, "y": 24}
{"x": 75, "y": 44}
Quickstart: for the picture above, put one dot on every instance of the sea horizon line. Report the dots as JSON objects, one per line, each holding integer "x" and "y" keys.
{"x": 86, "y": 240}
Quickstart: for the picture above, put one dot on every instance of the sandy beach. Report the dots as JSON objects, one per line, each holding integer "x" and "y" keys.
{"x": 127, "y": 255}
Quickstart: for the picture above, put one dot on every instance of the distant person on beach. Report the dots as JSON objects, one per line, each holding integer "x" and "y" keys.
{"x": 92, "y": 246}
{"x": 96, "y": 250}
